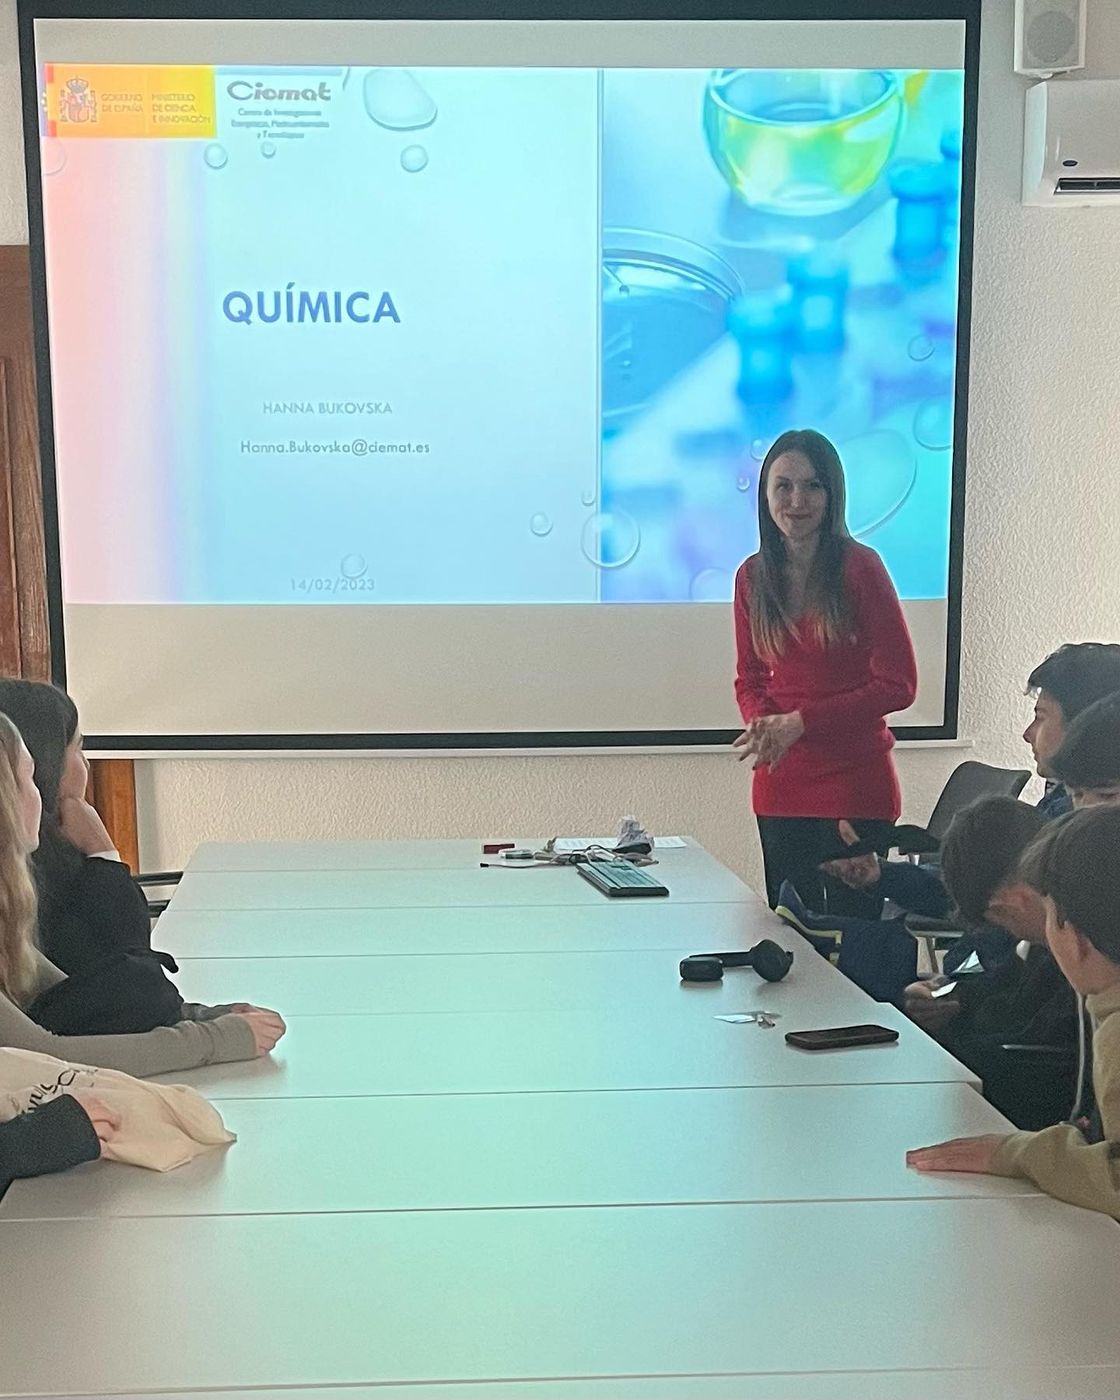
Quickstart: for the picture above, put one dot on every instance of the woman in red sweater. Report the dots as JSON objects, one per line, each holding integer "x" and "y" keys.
{"x": 824, "y": 655}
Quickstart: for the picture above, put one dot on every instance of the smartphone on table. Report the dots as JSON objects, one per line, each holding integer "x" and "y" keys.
{"x": 841, "y": 1037}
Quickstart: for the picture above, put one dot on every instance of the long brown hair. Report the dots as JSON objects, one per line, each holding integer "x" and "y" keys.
{"x": 828, "y": 610}
{"x": 17, "y": 891}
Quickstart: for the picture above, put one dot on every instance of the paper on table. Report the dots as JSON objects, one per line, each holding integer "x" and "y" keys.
{"x": 581, "y": 843}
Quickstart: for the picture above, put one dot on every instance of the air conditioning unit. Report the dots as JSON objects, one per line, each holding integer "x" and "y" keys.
{"x": 1071, "y": 143}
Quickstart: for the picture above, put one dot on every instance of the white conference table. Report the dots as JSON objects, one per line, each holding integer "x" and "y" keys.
{"x": 614, "y": 983}
{"x": 232, "y": 1302}
{"x": 538, "y": 1167}
{"x": 1009, "y": 1382}
{"x": 511, "y": 1052}
{"x": 452, "y": 854}
{"x": 543, "y": 1022}
{"x": 449, "y": 874}
{"x": 530, "y": 886}
{"x": 566, "y": 1149}
{"x": 606, "y": 926}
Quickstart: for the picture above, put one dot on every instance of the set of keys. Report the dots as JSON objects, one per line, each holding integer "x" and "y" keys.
{"x": 768, "y": 1019}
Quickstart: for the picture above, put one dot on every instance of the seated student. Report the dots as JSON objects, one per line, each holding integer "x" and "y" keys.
{"x": 1069, "y": 680}
{"x": 1087, "y": 765}
{"x": 1023, "y": 1001}
{"x": 91, "y": 911}
{"x": 25, "y": 972}
{"x": 89, "y": 905}
{"x": 69, "y": 1130}
{"x": 1026, "y": 1003}
{"x": 1088, "y": 762}
{"x": 1064, "y": 685}
{"x": 1073, "y": 867}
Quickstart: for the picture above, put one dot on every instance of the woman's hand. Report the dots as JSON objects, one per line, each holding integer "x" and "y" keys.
{"x": 971, "y": 1154}
{"x": 83, "y": 827}
{"x": 769, "y": 738}
{"x": 105, "y": 1121}
{"x": 267, "y": 1028}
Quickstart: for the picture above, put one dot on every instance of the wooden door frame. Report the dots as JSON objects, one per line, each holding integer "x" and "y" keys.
{"x": 24, "y": 627}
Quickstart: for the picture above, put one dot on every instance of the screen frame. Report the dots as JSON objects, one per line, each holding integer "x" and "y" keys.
{"x": 964, "y": 11}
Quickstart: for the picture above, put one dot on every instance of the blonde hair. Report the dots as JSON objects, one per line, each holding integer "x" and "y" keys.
{"x": 17, "y": 890}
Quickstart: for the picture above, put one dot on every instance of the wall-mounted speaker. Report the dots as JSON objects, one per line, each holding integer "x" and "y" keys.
{"x": 1049, "y": 36}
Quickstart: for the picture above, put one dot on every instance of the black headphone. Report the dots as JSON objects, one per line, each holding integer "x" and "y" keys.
{"x": 770, "y": 961}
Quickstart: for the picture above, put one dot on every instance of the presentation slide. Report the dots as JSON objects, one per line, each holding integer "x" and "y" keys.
{"x": 422, "y": 342}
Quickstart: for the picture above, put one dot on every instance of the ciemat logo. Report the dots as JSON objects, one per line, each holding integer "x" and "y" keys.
{"x": 242, "y": 91}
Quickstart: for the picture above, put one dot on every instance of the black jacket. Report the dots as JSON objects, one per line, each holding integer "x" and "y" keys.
{"x": 48, "y": 1139}
{"x": 1026, "y": 1001}
{"x": 94, "y": 925}
{"x": 89, "y": 908}
{"x": 1023, "y": 1002}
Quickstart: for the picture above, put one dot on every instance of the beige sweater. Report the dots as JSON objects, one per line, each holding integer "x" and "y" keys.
{"x": 1059, "y": 1159}
{"x": 162, "y": 1126}
{"x": 165, "y": 1050}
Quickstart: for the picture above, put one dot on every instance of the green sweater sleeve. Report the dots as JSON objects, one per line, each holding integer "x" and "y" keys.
{"x": 1059, "y": 1160}
{"x": 162, "y": 1051}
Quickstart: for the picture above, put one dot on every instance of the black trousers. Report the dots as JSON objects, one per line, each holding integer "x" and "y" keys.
{"x": 793, "y": 848}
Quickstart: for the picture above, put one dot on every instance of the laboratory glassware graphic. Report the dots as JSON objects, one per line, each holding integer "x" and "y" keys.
{"x": 801, "y": 141}
{"x": 817, "y": 286}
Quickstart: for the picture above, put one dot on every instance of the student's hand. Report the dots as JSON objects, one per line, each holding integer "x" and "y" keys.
{"x": 267, "y": 1028}
{"x": 81, "y": 825}
{"x": 768, "y": 738}
{"x": 971, "y": 1154}
{"x": 926, "y": 1010}
{"x": 857, "y": 872}
{"x": 105, "y": 1121}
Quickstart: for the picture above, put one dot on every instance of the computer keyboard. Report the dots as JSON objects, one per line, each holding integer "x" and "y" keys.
{"x": 618, "y": 879}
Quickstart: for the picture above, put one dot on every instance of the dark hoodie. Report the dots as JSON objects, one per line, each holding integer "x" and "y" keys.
{"x": 1024, "y": 1001}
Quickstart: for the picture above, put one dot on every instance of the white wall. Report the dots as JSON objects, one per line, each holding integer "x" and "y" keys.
{"x": 1042, "y": 552}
